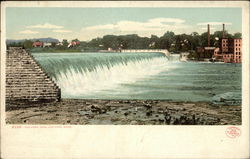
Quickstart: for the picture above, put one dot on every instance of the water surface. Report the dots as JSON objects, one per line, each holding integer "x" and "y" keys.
{"x": 141, "y": 76}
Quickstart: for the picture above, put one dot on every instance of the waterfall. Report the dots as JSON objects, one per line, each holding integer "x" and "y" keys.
{"x": 80, "y": 74}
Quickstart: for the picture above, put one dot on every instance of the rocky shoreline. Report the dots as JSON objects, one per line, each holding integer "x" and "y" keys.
{"x": 122, "y": 112}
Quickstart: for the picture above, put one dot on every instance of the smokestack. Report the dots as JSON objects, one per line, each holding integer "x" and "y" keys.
{"x": 208, "y": 35}
{"x": 223, "y": 31}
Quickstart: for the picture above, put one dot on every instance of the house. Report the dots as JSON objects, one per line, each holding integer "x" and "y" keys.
{"x": 59, "y": 44}
{"x": 37, "y": 44}
{"x": 47, "y": 44}
{"x": 74, "y": 43}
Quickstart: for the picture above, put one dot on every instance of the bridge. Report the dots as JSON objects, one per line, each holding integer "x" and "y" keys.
{"x": 163, "y": 51}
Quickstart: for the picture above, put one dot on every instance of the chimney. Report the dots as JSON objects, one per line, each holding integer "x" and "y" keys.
{"x": 208, "y": 35}
{"x": 223, "y": 31}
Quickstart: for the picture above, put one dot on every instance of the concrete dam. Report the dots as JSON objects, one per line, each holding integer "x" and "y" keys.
{"x": 163, "y": 51}
{"x": 26, "y": 80}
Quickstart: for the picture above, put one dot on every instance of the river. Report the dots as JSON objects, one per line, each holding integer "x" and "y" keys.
{"x": 141, "y": 76}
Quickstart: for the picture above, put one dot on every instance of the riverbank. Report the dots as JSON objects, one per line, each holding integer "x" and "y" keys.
{"x": 122, "y": 112}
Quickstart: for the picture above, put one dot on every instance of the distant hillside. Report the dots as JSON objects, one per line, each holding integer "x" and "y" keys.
{"x": 48, "y": 40}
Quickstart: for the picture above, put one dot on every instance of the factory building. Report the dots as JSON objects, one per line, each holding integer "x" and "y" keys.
{"x": 230, "y": 50}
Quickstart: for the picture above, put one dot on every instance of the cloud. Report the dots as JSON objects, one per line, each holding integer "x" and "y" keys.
{"x": 45, "y": 26}
{"x": 156, "y": 26}
{"x": 214, "y": 23}
{"x": 28, "y": 32}
{"x": 62, "y": 31}
{"x": 166, "y": 20}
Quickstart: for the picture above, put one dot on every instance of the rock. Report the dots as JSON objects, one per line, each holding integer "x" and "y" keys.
{"x": 149, "y": 113}
{"x": 103, "y": 111}
{"x": 136, "y": 109}
{"x": 115, "y": 102}
{"x": 168, "y": 119}
{"x": 161, "y": 120}
{"x": 132, "y": 102}
{"x": 148, "y": 106}
{"x": 88, "y": 103}
{"x": 51, "y": 111}
{"x": 133, "y": 122}
{"x": 193, "y": 119}
{"x": 95, "y": 109}
{"x": 83, "y": 113}
{"x": 160, "y": 111}
{"x": 222, "y": 99}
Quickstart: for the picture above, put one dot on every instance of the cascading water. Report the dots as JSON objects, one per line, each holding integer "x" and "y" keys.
{"x": 141, "y": 76}
{"x": 80, "y": 75}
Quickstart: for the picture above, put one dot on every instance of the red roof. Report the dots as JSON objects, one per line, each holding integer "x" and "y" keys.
{"x": 75, "y": 43}
{"x": 37, "y": 43}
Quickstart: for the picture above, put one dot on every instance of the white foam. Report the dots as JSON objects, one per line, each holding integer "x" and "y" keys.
{"x": 79, "y": 83}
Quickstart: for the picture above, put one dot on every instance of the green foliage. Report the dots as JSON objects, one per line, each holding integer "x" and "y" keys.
{"x": 65, "y": 43}
{"x": 237, "y": 35}
{"x": 171, "y": 41}
{"x": 27, "y": 44}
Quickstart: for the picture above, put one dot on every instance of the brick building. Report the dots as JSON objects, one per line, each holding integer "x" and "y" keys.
{"x": 206, "y": 53}
{"x": 230, "y": 50}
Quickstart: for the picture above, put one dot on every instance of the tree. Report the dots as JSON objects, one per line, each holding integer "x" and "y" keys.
{"x": 237, "y": 35}
{"x": 195, "y": 40}
{"x": 53, "y": 44}
{"x": 75, "y": 40}
{"x": 166, "y": 40}
{"x": 65, "y": 42}
{"x": 27, "y": 44}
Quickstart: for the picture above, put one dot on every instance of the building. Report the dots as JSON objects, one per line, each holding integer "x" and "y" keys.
{"x": 230, "y": 50}
{"x": 206, "y": 53}
{"x": 184, "y": 56}
{"x": 74, "y": 43}
{"x": 47, "y": 44}
{"x": 59, "y": 44}
{"x": 37, "y": 44}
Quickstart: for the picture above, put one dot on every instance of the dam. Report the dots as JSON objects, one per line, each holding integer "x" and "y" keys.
{"x": 140, "y": 75}
{"x": 26, "y": 80}
{"x": 163, "y": 51}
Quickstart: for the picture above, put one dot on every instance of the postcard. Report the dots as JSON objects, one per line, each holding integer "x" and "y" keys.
{"x": 128, "y": 79}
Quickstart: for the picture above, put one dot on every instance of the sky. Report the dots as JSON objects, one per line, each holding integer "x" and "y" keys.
{"x": 88, "y": 23}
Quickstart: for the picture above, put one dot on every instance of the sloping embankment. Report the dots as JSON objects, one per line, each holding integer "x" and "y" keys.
{"x": 26, "y": 80}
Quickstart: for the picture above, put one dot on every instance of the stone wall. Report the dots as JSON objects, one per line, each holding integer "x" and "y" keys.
{"x": 26, "y": 80}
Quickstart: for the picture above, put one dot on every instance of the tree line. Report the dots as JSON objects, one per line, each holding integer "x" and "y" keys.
{"x": 170, "y": 41}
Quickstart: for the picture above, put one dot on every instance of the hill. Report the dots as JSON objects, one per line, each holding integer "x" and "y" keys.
{"x": 48, "y": 40}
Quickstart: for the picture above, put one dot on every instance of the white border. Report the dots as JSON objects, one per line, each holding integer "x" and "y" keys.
{"x": 128, "y": 141}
